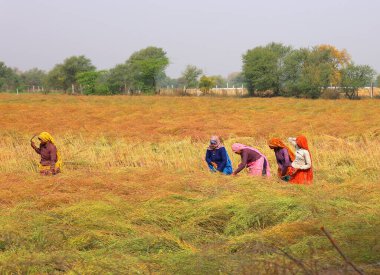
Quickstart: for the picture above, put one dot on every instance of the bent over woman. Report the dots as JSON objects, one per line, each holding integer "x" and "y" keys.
{"x": 256, "y": 163}
{"x": 284, "y": 158}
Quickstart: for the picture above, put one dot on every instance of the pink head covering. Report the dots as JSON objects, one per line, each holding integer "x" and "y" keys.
{"x": 238, "y": 146}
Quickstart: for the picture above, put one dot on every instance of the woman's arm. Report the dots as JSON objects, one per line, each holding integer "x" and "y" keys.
{"x": 53, "y": 157}
{"x": 292, "y": 140}
{"x": 281, "y": 164}
{"x": 38, "y": 150}
{"x": 223, "y": 164}
{"x": 243, "y": 164}
{"x": 287, "y": 163}
{"x": 208, "y": 157}
{"x": 306, "y": 155}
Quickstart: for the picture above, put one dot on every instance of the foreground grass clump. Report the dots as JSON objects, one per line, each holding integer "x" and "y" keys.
{"x": 221, "y": 224}
{"x": 138, "y": 198}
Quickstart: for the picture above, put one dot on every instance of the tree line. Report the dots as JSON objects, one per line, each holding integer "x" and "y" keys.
{"x": 304, "y": 72}
{"x": 271, "y": 70}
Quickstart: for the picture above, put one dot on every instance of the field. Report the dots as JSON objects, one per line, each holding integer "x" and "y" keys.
{"x": 135, "y": 196}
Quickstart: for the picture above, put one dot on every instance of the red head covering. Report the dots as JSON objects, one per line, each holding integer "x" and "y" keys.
{"x": 302, "y": 142}
{"x": 307, "y": 175}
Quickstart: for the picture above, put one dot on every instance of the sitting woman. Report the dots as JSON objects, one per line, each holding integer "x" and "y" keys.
{"x": 256, "y": 163}
{"x": 284, "y": 157}
{"x": 217, "y": 158}
{"x": 51, "y": 162}
{"x": 302, "y": 171}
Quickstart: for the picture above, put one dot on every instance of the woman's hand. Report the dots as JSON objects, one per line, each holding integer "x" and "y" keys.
{"x": 53, "y": 171}
{"x": 34, "y": 146}
{"x": 293, "y": 171}
{"x": 214, "y": 165}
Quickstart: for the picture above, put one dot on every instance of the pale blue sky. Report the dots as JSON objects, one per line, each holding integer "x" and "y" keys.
{"x": 211, "y": 34}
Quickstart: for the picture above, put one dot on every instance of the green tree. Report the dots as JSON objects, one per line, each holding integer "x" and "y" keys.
{"x": 306, "y": 72}
{"x": 87, "y": 81}
{"x": 167, "y": 81}
{"x": 335, "y": 59}
{"x": 93, "y": 82}
{"x": 55, "y": 78}
{"x": 190, "y": 77}
{"x": 101, "y": 86}
{"x": 293, "y": 72}
{"x": 206, "y": 83}
{"x": 326, "y": 62}
{"x": 9, "y": 78}
{"x": 145, "y": 68}
{"x": 378, "y": 81}
{"x": 262, "y": 67}
{"x": 63, "y": 76}
{"x": 235, "y": 79}
{"x": 5, "y": 74}
{"x": 355, "y": 77}
{"x": 118, "y": 80}
{"x": 33, "y": 77}
{"x": 219, "y": 80}
{"x": 313, "y": 79}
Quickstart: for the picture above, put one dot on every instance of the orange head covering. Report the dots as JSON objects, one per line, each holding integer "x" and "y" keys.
{"x": 277, "y": 143}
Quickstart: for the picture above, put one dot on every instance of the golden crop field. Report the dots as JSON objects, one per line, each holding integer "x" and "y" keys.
{"x": 135, "y": 195}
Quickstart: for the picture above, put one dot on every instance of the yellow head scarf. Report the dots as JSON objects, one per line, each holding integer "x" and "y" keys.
{"x": 46, "y": 137}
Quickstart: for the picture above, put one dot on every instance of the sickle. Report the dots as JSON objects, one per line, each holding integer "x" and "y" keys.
{"x": 32, "y": 138}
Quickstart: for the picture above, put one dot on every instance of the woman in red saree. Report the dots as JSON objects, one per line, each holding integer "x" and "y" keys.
{"x": 302, "y": 171}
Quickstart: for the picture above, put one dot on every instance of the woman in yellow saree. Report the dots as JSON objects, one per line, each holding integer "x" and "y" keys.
{"x": 51, "y": 162}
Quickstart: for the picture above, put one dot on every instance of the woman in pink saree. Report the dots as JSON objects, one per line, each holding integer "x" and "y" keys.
{"x": 257, "y": 164}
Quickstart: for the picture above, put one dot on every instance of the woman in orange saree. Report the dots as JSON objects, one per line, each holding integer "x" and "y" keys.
{"x": 284, "y": 158}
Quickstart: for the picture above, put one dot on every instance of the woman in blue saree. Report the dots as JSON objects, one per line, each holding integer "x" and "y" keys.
{"x": 217, "y": 157}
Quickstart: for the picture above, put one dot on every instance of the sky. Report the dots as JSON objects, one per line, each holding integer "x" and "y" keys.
{"x": 210, "y": 34}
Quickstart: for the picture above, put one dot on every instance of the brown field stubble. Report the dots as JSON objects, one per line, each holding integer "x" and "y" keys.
{"x": 135, "y": 196}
